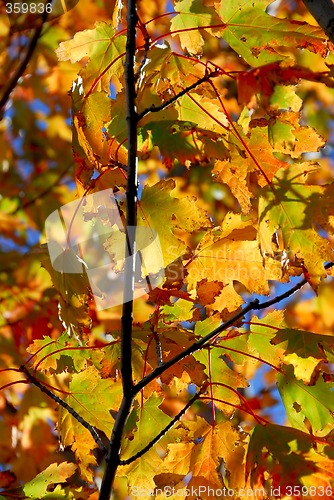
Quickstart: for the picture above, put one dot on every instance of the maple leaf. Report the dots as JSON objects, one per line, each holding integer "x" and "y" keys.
{"x": 260, "y": 38}
{"x": 166, "y": 65}
{"x": 192, "y": 14}
{"x": 264, "y": 81}
{"x": 76, "y": 436}
{"x": 285, "y": 206}
{"x": 181, "y": 310}
{"x": 178, "y": 213}
{"x": 262, "y": 333}
{"x": 219, "y": 371}
{"x": 287, "y": 455}
{"x": 161, "y": 296}
{"x": 288, "y": 137}
{"x": 93, "y": 398}
{"x": 224, "y": 255}
{"x": 181, "y": 140}
{"x": 313, "y": 404}
{"x": 104, "y": 50}
{"x": 46, "y": 353}
{"x": 248, "y": 153}
{"x": 305, "y": 350}
{"x": 152, "y": 420}
{"x": 54, "y": 474}
{"x": 89, "y": 139}
{"x": 74, "y": 295}
{"x": 172, "y": 342}
{"x": 201, "y": 455}
{"x": 205, "y": 112}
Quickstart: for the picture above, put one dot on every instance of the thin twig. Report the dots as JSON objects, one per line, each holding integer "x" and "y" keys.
{"x": 25, "y": 61}
{"x": 155, "y": 109}
{"x": 194, "y": 347}
{"x": 46, "y": 191}
{"x": 165, "y": 430}
{"x": 289, "y": 292}
{"x": 67, "y": 407}
{"x": 252, "y": 306}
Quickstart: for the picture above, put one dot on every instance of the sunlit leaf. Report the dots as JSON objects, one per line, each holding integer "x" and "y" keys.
{"x": 54, "y": 474}
{"x": 313, "y": 404}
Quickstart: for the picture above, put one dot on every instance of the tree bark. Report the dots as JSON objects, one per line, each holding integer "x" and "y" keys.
{"x": 323, "y": 13}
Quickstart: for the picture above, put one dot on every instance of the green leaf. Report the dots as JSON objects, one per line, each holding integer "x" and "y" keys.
{"x": 193, "y": 14}
{"x": 181, "y": 310}
{"x": 37, "y": 488}
{"x": 167, "y": 214}
{"x": 175, "y": 140}
{"x": 151, "y": 420}
{"x": 206, "y": 113}
{"x": 47, "y": 355}
{"x": 260, "y": 38}
{"x": 93, "y": 398}
{"x": 303, "y": 403}
{"x": 287, "y": 206}
{"x": 305, "y": 350}
{"x": 220, "y": 376}
{"x": 105, "y": 50}
{"x": 262, "y": 331}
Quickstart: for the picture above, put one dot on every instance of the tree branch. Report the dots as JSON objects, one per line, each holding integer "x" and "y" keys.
{"x": 24, "y": 63}
{"x": 323, "y": 13}
{"x": 194, "y": 347}
{"x": 67, "y": 407}
{"x": 43, "y": 193}
{"x": 252, "y": 306}
{"x": 166, "y": 429}
{"x": 113, "y": 457}
{"x": 155, "y": 109}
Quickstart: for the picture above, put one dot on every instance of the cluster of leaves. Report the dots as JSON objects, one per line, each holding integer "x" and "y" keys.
{"x": 234, "y": 102}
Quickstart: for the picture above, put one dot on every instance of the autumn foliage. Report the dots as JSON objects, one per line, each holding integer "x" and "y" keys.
{"x": 233, "y": 121}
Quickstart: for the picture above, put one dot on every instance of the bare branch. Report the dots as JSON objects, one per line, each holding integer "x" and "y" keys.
{"x": 289, "y": 292}
{"x": 155, "y": 109}
{"x": 194, "y": 347}
{"x": 323, "y": 13}
{"x": 113, "y": 457}
{"x": 25, "y": 61}
{"x": 67, "y": 407}
{"x": 252, "y": 306}
{"x": 166, "y": 429}
{"x": 43, "y": 193}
